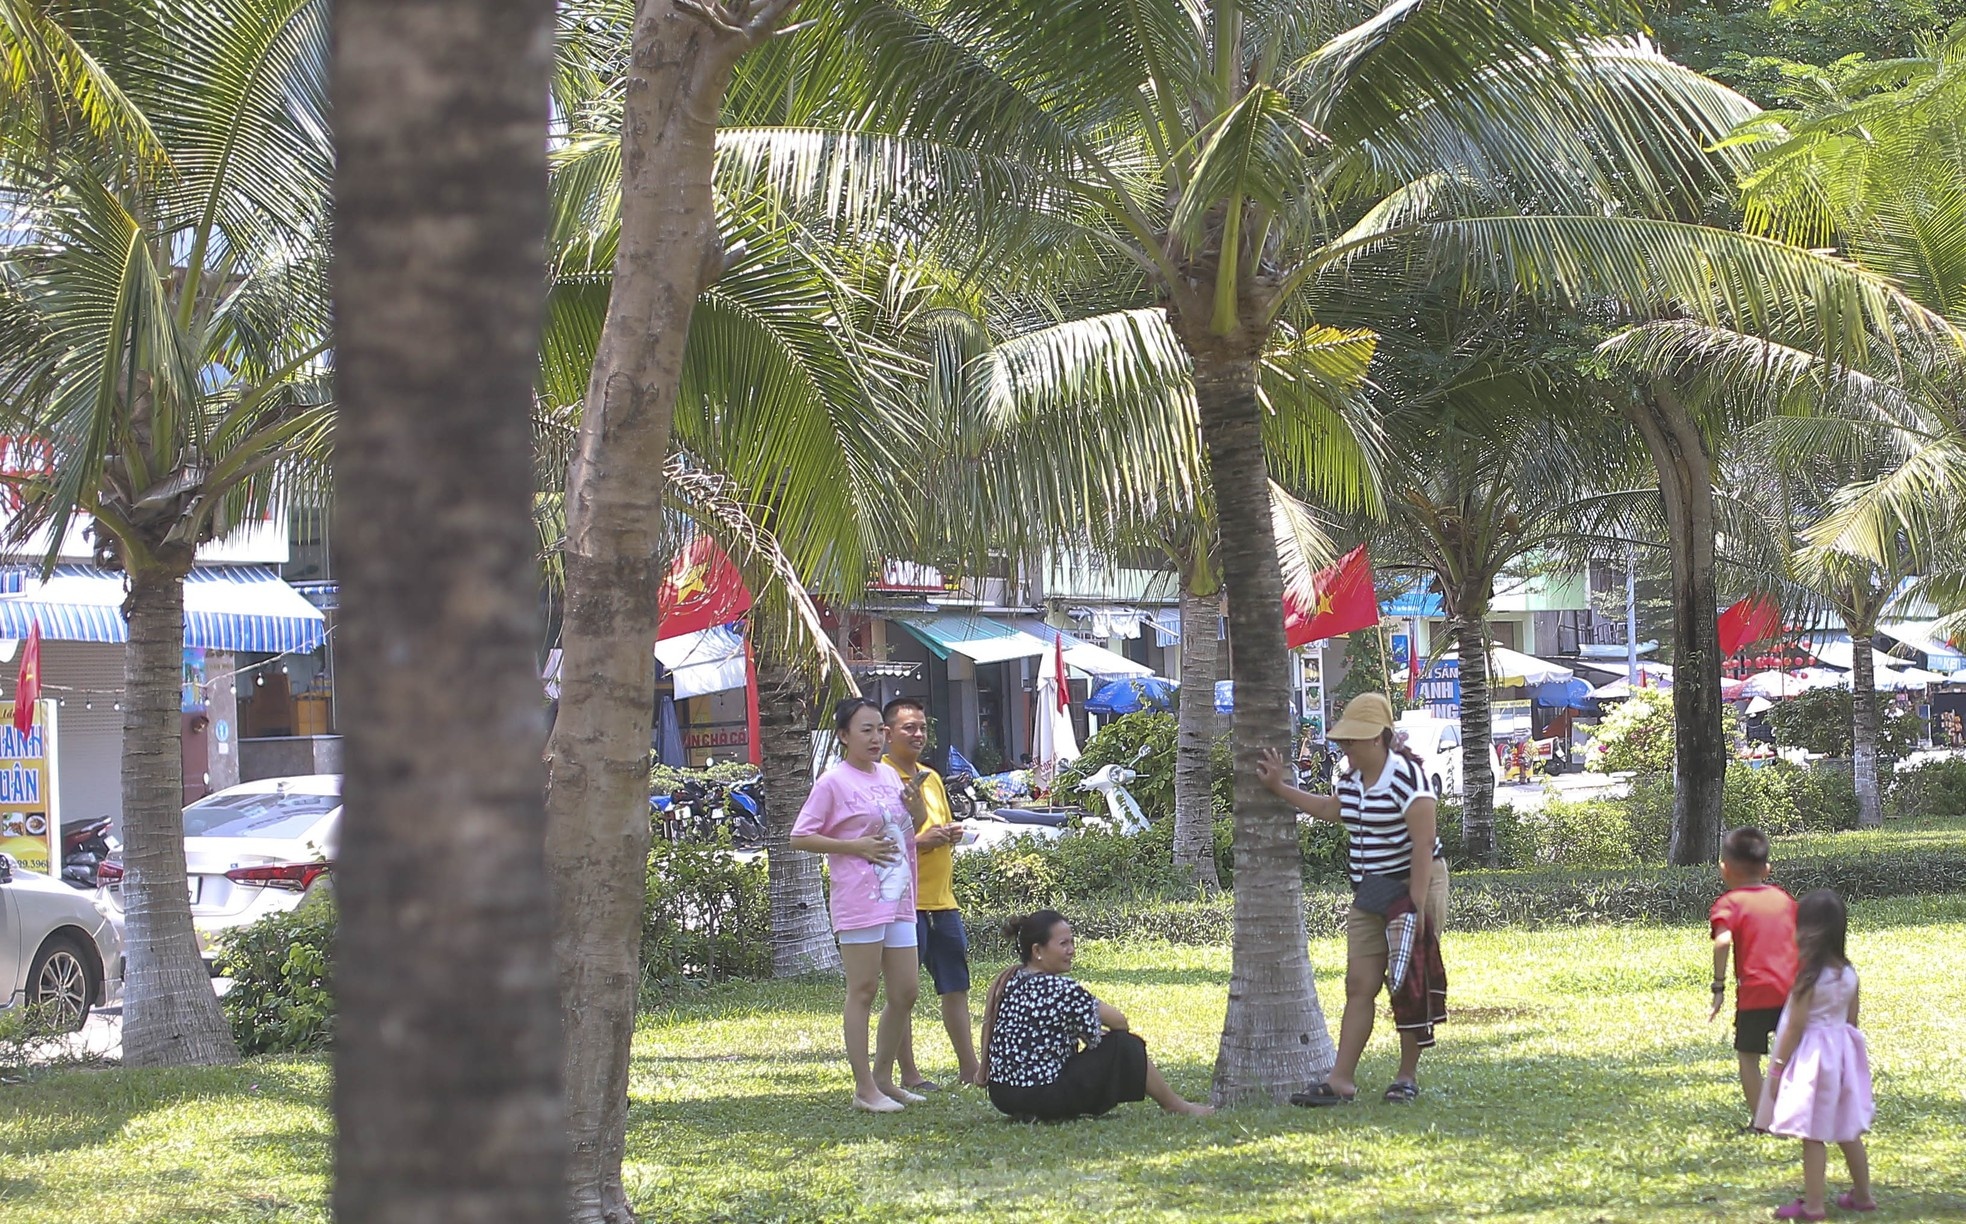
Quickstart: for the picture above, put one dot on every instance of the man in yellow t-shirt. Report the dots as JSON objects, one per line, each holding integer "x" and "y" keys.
{"x": 939, "y": 934}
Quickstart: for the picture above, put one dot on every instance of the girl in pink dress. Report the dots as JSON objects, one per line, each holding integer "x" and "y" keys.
{"x": 1818, "y": 1086}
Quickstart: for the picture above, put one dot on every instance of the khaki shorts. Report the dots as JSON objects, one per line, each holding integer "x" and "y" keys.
{"x": 1365, "y": 931}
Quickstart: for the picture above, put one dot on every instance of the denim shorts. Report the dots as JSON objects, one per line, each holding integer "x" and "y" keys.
{"x": 944, "y": 949}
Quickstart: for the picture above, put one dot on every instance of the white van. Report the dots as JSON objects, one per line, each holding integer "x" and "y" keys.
{"x": 1437, "y": 742}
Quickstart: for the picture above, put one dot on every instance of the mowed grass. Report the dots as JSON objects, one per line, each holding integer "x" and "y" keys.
{"x": 1579, "y": 1080}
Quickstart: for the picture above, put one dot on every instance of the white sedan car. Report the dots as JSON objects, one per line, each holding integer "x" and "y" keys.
{"x": 258, "y": 848}
{"x": 59, "y": 948}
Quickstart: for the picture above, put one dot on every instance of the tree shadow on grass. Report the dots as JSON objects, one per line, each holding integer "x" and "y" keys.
{"x": 1625, "y": 1136}
{"x": 73, "y": 1110}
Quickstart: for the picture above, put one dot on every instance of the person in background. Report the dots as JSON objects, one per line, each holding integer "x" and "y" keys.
{"x": 1819, "y": 1088}
{"x": 1754, "y": 923}
{"x": 1393, "y": 847}
{"x": 939, "y": 933}
{"x": 1050, "y": 1050}
{"x": 858, "y": 817}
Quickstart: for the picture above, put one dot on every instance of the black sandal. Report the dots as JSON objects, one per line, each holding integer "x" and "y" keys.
{"x": 1321, "y": 1094}
{"x": 1402, "y": 1093}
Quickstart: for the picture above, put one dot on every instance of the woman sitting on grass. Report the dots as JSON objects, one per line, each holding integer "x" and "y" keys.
{"x": 1050, "y": 1050}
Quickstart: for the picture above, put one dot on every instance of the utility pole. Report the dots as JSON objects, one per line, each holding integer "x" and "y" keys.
{"x": 1631, "y": 616}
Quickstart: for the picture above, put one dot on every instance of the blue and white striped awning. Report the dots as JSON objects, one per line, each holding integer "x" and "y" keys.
{"x": 226, "y": 607}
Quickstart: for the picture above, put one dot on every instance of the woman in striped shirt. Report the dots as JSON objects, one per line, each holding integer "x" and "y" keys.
{"x": 1387, "y": 810}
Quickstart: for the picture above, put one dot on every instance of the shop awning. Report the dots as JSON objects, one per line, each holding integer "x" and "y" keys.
{"x": 1511, "y": 668}
{"x": 1166, "y": 624}
{"x": 226, "y": 607}
{"x": 1925, "y": 638}
{"x": 1095, "y": 661}
{"x": 976, "y": 638}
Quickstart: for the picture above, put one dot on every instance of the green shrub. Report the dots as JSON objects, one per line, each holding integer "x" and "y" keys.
{"x": 1025, "y": 873}
{"x": 708, "y": 917}
{"x": 1819, "y": 721}
{"x": 282, "y": 995}
{"x": 1118, "y": 743}
{"x": 1321, "y": 843}
{"x": 1491, "y": 900}
{"x": 663, "y": 779}
{"x": 1930, "y": 788}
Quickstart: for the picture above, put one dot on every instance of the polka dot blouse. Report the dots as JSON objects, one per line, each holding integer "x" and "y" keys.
{"x": 1042, "y": 1020}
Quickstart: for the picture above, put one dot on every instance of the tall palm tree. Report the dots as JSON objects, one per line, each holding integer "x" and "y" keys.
{"x": 1242, "y": 156}
{"x": 1876, "y": 173}
{"x": 166, "y": 320}
{"x": 445, "y": 1112}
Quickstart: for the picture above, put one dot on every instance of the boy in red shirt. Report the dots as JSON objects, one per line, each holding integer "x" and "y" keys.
{"x": 1755, "y": 921}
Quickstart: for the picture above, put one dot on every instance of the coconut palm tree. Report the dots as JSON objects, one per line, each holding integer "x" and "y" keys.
{"x": 166, "y": 317}
{"x": 440, "y": 123}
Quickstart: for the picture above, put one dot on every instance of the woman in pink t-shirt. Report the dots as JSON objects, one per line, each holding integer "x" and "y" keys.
{"x": 858, "y": 816}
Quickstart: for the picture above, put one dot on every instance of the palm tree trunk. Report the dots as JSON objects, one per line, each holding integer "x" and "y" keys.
{"x": 1863, "y": 730}
{"x": 801, "y": 932}
{"x": 1679, "y": 452}
{"x": 447, "y": 1048}
{"x": 171, "y": 1017}
{"x": 1194, "y": 792}
{"x": 597, "y": 793}
{"x": 1274, "y": 1039}
{"x": 1477, "y": 740}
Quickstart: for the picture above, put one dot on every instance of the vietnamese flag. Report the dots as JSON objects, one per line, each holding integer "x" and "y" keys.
{"x": 701, "y": 589}
{"x": 1343, "y": 600}
{"x": 1064, "y": 686}
{"x": 27, "y": 689}
{"x": 1754, "y": 619}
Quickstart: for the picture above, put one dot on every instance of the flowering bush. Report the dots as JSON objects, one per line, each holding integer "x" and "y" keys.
{"x": 1636, "y": 736}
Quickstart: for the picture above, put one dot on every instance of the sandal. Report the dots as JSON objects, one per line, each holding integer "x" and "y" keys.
{"x": 1848, "y": 1201}
{"x": 1321, "y": 1094}
{"x": 923, "y": 1085}
{"x": 1402, "y": 1092}
{"x": 1799, "y": 1210}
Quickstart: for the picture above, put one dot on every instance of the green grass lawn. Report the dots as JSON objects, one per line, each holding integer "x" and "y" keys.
{"x": 1579, "y": 1080}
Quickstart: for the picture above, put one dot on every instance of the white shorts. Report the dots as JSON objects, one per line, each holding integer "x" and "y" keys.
{"x": 890, "y": 935}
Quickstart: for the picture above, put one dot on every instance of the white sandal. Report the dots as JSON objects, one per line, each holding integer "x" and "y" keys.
{"x": 885, "y": 1104}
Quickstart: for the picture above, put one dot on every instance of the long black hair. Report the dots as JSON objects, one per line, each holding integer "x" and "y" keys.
{"x": 1822, "y": 925}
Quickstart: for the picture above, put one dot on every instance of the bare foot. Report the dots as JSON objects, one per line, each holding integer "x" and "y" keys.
{"x": 1192, "y": 1109}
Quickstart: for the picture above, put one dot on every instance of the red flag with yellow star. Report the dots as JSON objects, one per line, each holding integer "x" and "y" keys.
{"x": 1344, "y": 600}
{"x": 27, "y": 689}
{"x": 702, "y": 589}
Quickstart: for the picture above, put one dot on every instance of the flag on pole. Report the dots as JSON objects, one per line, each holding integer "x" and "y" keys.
{"x": 1064, "y": 685}
{"x": 1342, "y": 599}
{"x": 1754, "y": 619}
{"x": 702, "y": 588}
{"x": 27, "y": 688}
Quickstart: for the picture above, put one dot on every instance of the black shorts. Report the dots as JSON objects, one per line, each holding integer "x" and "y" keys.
{"x": 1753, "y": 1027}
{"x": 944, "y": 946}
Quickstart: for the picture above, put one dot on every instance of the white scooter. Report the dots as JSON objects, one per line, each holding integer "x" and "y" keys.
{"x": 1123, "y": 814}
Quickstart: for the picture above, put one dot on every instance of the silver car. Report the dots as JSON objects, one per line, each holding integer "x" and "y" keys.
{"x": 58, "y": 946}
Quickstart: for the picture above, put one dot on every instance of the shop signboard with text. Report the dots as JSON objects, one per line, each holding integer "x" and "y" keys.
{"x": 1440, "y": 688}
{"x": 30, "y": 814}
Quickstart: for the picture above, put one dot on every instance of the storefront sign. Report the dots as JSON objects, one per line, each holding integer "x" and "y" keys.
{"x": 30, "y": 817}
{"x": 1440, "y": 688}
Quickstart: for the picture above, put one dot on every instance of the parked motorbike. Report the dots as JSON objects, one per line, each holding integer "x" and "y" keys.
{"x": 745, "y": 807}
{"x": 84, "y": 845}
{"x": 959, "y": 780}
{"x": 1123, "y": 814}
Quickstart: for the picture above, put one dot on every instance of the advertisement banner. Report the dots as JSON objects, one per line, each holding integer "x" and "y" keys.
{"x": 1440, "y": 688}
{"x": 30, "y": 817}
{"x": 1511, "y": 717}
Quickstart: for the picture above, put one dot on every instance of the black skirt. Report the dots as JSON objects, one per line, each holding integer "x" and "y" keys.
{"x": 1092, "y": 1082}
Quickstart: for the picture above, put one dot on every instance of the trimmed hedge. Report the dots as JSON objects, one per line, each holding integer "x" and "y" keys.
{"x": 1484, "y": 901}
